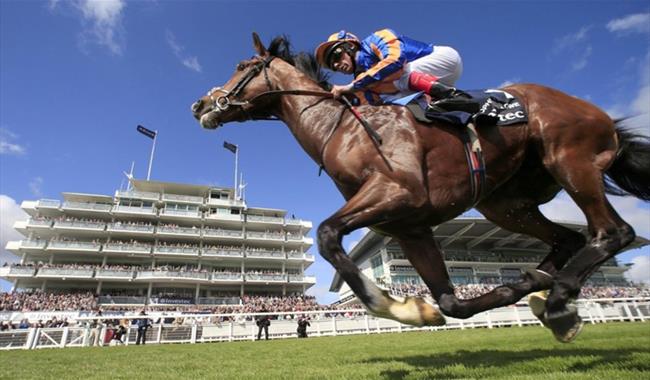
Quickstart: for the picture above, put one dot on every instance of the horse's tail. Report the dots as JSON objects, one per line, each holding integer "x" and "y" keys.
{"x": 629, "y": 174}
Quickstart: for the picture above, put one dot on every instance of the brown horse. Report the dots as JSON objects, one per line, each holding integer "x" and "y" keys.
{"x": 419, "y": 178}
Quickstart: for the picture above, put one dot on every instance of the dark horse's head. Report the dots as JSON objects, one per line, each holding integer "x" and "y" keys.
{"x": 242, "y": 97}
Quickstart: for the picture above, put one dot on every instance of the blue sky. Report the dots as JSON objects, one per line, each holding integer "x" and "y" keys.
{"x": 76, "y": 77}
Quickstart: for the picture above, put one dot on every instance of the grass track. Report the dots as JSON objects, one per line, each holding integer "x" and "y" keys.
{"x": 607, "y": 351}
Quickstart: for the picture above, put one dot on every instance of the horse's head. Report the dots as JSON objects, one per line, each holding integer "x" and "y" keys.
{"x": 234, "y": 101}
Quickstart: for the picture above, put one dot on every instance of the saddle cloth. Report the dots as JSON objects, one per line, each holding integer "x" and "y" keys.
{"x": 497, "y": 107}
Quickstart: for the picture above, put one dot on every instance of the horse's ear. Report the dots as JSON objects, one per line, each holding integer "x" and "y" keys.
{"x": 259, "y": 46}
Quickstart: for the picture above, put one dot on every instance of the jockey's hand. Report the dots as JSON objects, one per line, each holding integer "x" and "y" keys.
{"x": 337, "y": 91}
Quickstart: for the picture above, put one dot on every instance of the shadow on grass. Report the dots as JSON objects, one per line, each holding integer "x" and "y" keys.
{"x": 588, "y": 359}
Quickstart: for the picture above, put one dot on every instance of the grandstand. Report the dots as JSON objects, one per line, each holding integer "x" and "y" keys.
{"x": 156, "y": 244}
{"x": 479, "y": 255}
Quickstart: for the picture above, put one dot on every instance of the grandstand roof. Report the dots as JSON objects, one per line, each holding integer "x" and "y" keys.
{"x": 470, "y": 234}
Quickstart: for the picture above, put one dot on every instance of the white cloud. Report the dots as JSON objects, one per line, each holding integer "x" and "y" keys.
{"x": 639, "y": 106}
{"x": 575, "y": 48}
{"x": 191, "y": 62}
{"x": 10, "y": 212}
{"x": 640, "y": 271}
{"x": 571, "y": 40}
{"x": 35, "y": 186}
{"x": 562, "y": 208}
{"x": 581, "y": 62}
{"x": 636, "y": 23}
{"x": 8, "y": 144}
{"x": 101, "y": 20}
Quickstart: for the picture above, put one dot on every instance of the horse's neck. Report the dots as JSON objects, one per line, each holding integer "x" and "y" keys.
{"x": 311, "y": 123}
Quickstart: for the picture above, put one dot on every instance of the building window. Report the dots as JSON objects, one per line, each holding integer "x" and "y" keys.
{"x": 377, "y": 266}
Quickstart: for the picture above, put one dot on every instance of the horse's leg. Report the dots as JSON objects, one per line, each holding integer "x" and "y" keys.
{"x": 379, "y": 200}
{"x": 609, "y": 234}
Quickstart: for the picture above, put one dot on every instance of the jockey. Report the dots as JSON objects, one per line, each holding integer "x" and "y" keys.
{"x": 387, "y": 63}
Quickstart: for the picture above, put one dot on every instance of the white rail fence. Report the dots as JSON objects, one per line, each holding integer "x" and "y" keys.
{"x": 201, "y": 328}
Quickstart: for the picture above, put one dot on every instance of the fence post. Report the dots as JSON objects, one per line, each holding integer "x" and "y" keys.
{"x": 193, "y": 337}
{"x": 517, "y": 316}
{"x": 334, "y": 325}
{"x": 231, "y": 334}
{"x": 30, "y": 339}
{"x": 638, "y": 311}
{"x": 601, "y": 312}
{"x": 37, "y": 333}
{"x": 64, "y": 337}
{"x": 128, "y": 334}
{"x": 160, "y": 327}
{"x": 628, "y": 312}
{"x": 367, "y": 325}
{"x": 488, "y": 319}
{"x": 587, "y": 308}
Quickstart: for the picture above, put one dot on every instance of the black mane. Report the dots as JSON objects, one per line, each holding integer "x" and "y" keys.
{"x": 305, "y": 62}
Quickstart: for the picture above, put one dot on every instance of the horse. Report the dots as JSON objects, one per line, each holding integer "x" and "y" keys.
{"x": 417, "y": 178}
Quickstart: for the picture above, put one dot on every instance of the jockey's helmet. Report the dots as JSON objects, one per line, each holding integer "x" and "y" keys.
{"x": 324, "y": 51}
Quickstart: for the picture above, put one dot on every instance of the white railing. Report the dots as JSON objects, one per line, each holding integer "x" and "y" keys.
{"x": 130, "y": 228}
{"x": 79, "y": 224}
{"x": 87, "y": 206}
{"x": 63, "y": 272}
{"x": 200, "y": 328}
{"x": 121, "y": 300}
{"x": 222, "y": 252}
{"x": 264, "y": 235}
{"x": 176, "y": 212}
{"x": 163, "y": 250}
{"x": 21, "y": 271}
{"x": 37, "y": 244}
{"x": 143, "y": 195}
{"x": 265, "y": 253}
{"x": 264, "y": 219}
{"x": 266, "y": 277}
{"x": 178, "y": 230}
{"x": 49, "y": 203}
{"x": 182, "y": 198}
{"x": 39, "y": 222}
{"x": 211, "y": 232}
{"x": 134, "y": 210}
{"x": 117, "y": 247}
{"x": 114, "y": 273}
{"x": 220, "y": 276}
{"x": 172, "y": 274}
{"x": 74, "y": 245}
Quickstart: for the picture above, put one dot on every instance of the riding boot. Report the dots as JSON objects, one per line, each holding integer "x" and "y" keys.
{"x": 446, "y": 98}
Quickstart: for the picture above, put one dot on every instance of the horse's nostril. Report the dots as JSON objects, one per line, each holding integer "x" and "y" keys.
{"x": 196, "y": 105}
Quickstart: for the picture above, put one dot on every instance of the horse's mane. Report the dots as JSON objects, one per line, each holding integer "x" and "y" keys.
{"x": 280, "y": 47}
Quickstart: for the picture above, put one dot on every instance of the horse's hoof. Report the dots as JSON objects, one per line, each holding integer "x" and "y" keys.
{"x": 414, "y": 311}
{"x": 566, "y": 324}
{"x": 537, "y": 303}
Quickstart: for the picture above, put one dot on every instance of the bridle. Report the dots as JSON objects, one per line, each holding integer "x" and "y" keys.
{"x": 224, "y": 101}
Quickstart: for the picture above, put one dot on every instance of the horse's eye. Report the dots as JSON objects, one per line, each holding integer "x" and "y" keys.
{"x": 241, "y": 67}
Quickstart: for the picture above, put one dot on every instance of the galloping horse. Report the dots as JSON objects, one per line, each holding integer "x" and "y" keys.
{"x": 418, "y": 178}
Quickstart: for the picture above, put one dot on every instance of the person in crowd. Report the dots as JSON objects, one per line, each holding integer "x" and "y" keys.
{"x": 303, "y": 323}
{"x": 143, "y": 324}
{"x": 263, "y": 322}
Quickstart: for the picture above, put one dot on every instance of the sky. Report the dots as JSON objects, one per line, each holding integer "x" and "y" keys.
{"x": 76, "y": 77}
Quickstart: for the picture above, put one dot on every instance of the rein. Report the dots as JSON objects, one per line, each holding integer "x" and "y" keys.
{"x": 224, "y": 102}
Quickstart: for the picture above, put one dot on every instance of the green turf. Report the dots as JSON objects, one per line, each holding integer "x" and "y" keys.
{"x": 606, "y": 351}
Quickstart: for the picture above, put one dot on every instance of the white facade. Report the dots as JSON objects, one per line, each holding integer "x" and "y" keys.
{"x": 161, "y": 243}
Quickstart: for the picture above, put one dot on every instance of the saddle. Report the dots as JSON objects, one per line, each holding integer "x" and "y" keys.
{"x": 489, "y": 107}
